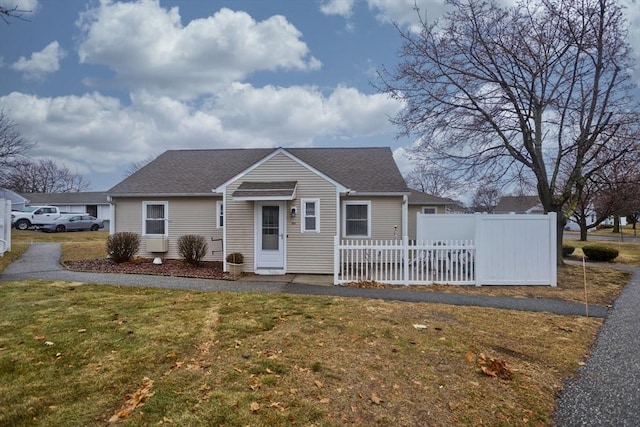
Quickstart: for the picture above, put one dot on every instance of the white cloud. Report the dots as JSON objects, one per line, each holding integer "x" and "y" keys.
{"x": 342, "y": 8}
{"x": 632, "y": 10}
{"x": 403, "y": 12}
{"x": 401, "y": 157}
{"x": 96, "y": 133}
{"x": 41, "y": 63}
{"x": 149, "y": 47}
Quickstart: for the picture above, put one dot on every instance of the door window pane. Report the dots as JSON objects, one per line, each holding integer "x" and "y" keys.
{"x": 270, "y": 228}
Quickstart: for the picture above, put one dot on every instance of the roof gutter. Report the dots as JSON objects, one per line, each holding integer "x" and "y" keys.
{"x": 112, "y": 195}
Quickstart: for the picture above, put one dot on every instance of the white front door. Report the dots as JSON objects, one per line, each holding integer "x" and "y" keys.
{"x": 270, "y": 237}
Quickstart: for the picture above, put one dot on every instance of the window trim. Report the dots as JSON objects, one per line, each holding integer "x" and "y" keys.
{"x": 219, "y": 214}
{"x": 303, "y": 215}
{"x": 344, "y": 217}
{"x": 144, "y": 217}
{"x": 423, "y": 208}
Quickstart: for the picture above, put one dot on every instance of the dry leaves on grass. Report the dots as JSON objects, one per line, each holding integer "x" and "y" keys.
{"x": 134, "y": 400}
{"x": 490, "y": 366}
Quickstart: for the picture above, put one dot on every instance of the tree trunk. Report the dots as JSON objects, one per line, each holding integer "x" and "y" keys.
{"x": 561, "y": 221}
{"x": 583, "y": 228}
{"x": 616, "y": 224}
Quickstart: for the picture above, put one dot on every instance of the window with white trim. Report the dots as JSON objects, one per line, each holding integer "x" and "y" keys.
{"x": 357, "y": 219}
{"x": 428, "y": 210}
{"x": 310, "y": 222}
{"x": 219, "y": 214}
{"x": 155, "y": 218}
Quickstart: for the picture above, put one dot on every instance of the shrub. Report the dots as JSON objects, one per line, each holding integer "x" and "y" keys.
{"x": 123, "y": 246}
{"x": 235, "y": 258}
{"x": 192, "y": 248}
{"x": 567, "y": 250}
{"x": 599, "y": 253}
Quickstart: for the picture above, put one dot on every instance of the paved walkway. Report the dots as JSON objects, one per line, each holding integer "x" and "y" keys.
{"x": 606, "y": 391}
{"x": 41, "y": 261}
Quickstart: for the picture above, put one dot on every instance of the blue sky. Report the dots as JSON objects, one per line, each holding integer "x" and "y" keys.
{"x": 101, "y": 84}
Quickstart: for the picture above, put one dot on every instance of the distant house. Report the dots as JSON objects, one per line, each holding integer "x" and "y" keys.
{"x": 17, "y": 201}
{"x": 95, "y": 203}
{"x": 282, "y": 208}
{"x": 519, "y": 205}
{"x": 424, "y": 203}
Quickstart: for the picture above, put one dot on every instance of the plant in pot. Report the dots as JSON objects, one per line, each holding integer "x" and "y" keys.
{"x": 235, "y": 261}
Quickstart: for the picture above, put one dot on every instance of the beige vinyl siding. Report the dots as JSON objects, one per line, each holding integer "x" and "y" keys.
{"x": 306, "y": 252}
{"x": 187, "y": 215}
{"x": 386, "y": 212}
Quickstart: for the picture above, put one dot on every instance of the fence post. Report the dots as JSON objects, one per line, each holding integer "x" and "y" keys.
{"x": 405, "y": 256}
{"x": 553, "y": 250}
{"x": 5, "y": 226}
{"x": 336, "y": 259}
{"x": 479, "y": 249}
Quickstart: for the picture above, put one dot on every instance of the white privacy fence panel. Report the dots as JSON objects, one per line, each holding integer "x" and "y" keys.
{"x": 517, "y": 249}
{"x": 445, "y": 227}
{"x": 489, "y": 250}
{"x": 5, "y": 226}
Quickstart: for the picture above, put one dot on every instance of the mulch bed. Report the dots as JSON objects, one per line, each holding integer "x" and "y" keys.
{"x": 169, "y": 267}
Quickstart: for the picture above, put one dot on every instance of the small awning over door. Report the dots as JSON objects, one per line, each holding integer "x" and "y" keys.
{"x": 277, "y": 190}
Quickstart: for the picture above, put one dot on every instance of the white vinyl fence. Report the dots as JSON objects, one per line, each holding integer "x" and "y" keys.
{"x": 460, "y": 250}
{"x": 5, "y": 226}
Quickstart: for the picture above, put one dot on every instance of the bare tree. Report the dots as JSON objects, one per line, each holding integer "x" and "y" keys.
{"x": 133, "y": 167}
{"x": 431, "y": 180}
{"x": 539, "y": 89}
{"x": 15, "y": 12}
{"x": 487, "y": 197}
{"x": 44, "y": 176}
{"x": 611, "y": 192}
{"x": 13, "y": 145}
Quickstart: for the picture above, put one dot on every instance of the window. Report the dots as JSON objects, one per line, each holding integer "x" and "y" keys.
{"x": 428, "y": 210}
{"x": 155, "y": 218}
{"x": 219, "y": 214}
{"x": 357, "y": 219}
{"x": 310, "y": 222}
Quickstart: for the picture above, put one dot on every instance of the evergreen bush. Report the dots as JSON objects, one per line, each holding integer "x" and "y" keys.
{"x": 600, "y": 253}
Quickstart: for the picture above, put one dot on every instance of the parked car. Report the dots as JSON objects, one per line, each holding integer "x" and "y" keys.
{"x": 74, "y": 222}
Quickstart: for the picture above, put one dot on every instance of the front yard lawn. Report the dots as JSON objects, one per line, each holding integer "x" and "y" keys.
{"x": 75, "y": 354}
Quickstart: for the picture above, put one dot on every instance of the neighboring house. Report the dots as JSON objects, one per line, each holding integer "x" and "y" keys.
{"x": 424, "y": 203}
{"x": 17, "y": 201}
{"x": 281, "y": 208}
{"x": 95, "y": 203}
{"x": 531, "y": 204}
{"x": 519, "y": 205}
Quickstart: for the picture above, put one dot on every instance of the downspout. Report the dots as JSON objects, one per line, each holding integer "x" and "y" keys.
{"x": 405, "y": 216}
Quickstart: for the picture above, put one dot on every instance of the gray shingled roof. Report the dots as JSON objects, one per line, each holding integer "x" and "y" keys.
{"x": 419, "y": 198}
{"x": 81, "y": 198}
{"x": 517, "y": 204}
{"x": 191, "y": 172}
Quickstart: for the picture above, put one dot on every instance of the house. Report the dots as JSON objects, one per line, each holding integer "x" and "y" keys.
{"x": 282, "y": 208}
{"x": 424, "y": 203}
{"x": 17, "y": 201}
{"x": 519, "y": 205}
{"x": 95, "y": 203}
